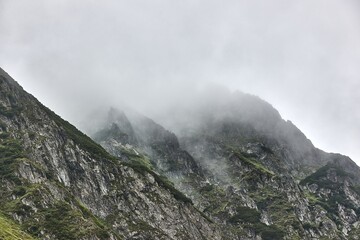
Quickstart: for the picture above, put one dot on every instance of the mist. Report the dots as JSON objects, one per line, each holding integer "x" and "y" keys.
{"x": 79, "y": 57}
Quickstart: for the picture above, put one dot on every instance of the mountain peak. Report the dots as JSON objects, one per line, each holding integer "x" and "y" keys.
{"x": 230, "y": 168}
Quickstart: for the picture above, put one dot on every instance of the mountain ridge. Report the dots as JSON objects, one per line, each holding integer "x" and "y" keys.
{"x": 58, "y": 184}
{"x": 231, "y": 148}
{"x": 232, "y": 175}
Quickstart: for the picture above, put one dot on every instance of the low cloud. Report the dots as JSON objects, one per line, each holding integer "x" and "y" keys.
{"x": 302, "y": 57}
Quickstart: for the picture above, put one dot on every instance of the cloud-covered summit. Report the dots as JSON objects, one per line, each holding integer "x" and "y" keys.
{"x": 302, "y": 57}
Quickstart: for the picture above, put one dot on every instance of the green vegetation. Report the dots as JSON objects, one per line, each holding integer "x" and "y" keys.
{"x": 65, "y": 219}
{"x": 2, "y": 126}
{"x": 11, "y": 231}
{"x": 245, "y": 215}
{"x": 249, "y": 160}
{"x": 67, "y": 223}
{"x": 164, "y": 182}
{"x": 61, "y": 218}
{"x": 320, "y": 176}
{"x": 356, "y": 189}
{"x": 137, "y": 159}
{"x": 10, "y": 152}
{"x": 338, "y": 196}
{"x": 10, "y": 112}
{"x": 269, "y": 232}
{"x": 252, "y": 162}
{"x": 216, "y": 198}
{"x": 251, "y": 219}
{"x": 308, "y": 226}
{"x": 311, "y": 198}
{"x": 279, "y": 209}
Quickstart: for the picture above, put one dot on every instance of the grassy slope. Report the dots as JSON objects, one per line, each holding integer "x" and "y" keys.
{"x": 11, "y": 231}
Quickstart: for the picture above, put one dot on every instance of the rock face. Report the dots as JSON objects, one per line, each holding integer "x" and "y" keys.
{"x": 254, "y": 174}
{"x": 56, "y": 183}
{"x": 231, "y": 168}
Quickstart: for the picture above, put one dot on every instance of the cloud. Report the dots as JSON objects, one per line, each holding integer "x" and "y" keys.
{"x": 302, "y": 57}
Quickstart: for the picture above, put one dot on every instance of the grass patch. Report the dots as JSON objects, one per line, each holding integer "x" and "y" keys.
{"x": 245, "y": 215}
{"x": 252, "y": 162}
{"x": 11, "y": 231}
{"x": 269, "y": 232}
{"x": 249, "y": 160}
{"x": 137, "y": 159}
{"x": 67, "y": 223}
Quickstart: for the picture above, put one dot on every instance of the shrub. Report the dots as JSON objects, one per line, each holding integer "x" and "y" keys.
{"x": 246, "y": 215}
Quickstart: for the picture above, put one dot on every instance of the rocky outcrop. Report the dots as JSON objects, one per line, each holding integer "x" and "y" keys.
{"x": 248, "y": 171}
{"x": 242, "y": 172}
{"x": 56, "y": 183}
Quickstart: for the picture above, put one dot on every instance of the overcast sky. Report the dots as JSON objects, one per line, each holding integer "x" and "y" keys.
{"x": 301, "y": 56}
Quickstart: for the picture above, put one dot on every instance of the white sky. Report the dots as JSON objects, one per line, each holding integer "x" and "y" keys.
{"x": 301, "y": 56}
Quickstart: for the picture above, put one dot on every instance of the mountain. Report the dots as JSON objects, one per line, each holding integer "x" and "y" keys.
{"x": 225, "y": 167}
{"x": 56, "y": 183}
{"x": 252, "y": 173}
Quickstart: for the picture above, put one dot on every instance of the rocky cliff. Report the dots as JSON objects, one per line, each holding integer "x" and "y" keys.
{"x": 56, "y": 183}
{"x": 229, "y": 167}
{"x": 252, "y": 173}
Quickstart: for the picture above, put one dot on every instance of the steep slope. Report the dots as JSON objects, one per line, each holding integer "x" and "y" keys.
{"x": 242, "y": 118}
{"x": 248, "y": 165}
{"x": 246, "y": 145}
{"x": 159, "y": 146}
{"x": 56, "y": 183}
{"x": 336, "y": 189}
{"x": 11, "y": 231}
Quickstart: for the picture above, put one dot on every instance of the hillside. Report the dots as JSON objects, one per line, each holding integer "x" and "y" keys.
{"x": 56, "y": 183}
{"x": 226, "y": 168}
{"x": 247, "y": 169}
